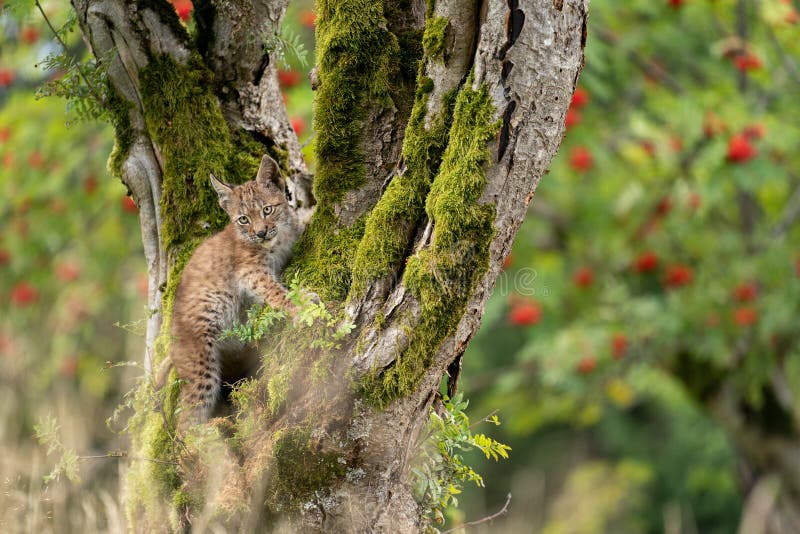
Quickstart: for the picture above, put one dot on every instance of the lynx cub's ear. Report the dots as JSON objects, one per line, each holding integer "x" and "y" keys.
{"x": 223, "y": 190}
{"x": 268, "y": 172}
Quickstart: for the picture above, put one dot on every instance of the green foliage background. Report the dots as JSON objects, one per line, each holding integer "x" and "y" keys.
{"x": 579, "y": 343}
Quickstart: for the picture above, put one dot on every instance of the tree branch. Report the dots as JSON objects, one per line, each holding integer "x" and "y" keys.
{"x": 231, "y": 42}
{"x": 486, "y": 519}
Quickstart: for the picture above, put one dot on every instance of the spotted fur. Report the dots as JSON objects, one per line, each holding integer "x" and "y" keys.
{"x": 226, "y": 275}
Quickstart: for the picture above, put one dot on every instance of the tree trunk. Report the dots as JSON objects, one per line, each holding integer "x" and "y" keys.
{"x": 768, "y": 445}
{"x": 434, "y": 124}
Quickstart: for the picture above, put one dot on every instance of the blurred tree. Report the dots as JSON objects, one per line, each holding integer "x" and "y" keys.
{"x": 428, "y": 148}
{"x": 665, "y": 247}
{"x": 71, "y": 286}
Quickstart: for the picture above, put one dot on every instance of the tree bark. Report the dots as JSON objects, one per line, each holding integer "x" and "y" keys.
{"x": 434, "y": 126}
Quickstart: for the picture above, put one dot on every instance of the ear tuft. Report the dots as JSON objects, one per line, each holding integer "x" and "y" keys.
{"x": 223, "y": 190}
{"x": 270, "y": 172}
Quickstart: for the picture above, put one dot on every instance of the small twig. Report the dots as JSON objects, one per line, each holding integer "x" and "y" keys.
{"x": 741, "y": 32}
{"x": 124, "y": 454}
{"x": 495, "y": 515}
{"x": 486, "y": 418}
{"x": 788, "y": 62}
{"x": 91, "y": 88}
{"x": 308, "y": 140}
{"x": 649, "y": 67}
{"x": 789, "y": 216}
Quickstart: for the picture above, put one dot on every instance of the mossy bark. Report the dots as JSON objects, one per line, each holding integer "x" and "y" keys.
{"x": 428, "y": 149}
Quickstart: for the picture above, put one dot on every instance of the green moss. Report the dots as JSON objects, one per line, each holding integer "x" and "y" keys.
{"x": 324, "y": 254}
{"x": 154, "y": 477}
{"x": 123, "y": 132}
{"x": 425, "y": 85}
{"x": 300, "y": 472}
{"x": 357, "y": 55}
{"x": 444, "y": 275}
{"x": 390, "y": 225}
{"x": 183, "y": 117}
{"x": 433, "y": 38}
{"x": 410, "y": 44}
{"x": 429, "y": 7}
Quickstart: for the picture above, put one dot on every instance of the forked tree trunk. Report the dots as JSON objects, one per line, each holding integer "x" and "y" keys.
{"x": 434, "y": 124}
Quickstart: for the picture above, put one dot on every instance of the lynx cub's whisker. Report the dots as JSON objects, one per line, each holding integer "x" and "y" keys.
{"x": 228, "y": 273}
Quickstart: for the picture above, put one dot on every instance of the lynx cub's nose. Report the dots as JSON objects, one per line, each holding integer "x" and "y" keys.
{"x": 262, "y": 233}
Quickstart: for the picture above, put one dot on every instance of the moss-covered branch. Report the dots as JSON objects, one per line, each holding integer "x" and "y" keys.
{"x": 443, "y": 275}
{"x": 356, "y": 57}
{"x": 390, "y": 225}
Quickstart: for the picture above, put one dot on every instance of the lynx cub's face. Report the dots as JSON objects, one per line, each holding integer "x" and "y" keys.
{"x": 259, "y": 209}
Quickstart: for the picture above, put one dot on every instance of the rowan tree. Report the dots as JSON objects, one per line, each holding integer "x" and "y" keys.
{"x": 434, "y": 123}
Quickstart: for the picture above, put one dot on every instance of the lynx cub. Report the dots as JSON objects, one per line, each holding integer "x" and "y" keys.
{"x": 226, "y": 275}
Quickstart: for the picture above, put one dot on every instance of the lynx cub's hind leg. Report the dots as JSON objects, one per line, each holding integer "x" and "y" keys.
{"x": 200, "y": 370}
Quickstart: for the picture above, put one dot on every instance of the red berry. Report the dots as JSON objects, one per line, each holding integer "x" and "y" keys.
{"x": 581, "y": 159}
{"x": 128, "y": 205}
{"x": 745, "y": 316}
{"x": 678, "y": 275}
{"x": 68, "y": 271}
{"x": 6, "y": 345}
{"x": 7, "y": 77}
{"x": 142, "y": 284}
{"x": 308, "y": 18}
{"x": 35, "y": 160}
{"x": 29, "y": 34}
{"x": 5, "y": 134}
{"x": 5, "y": 257}
{"x": 649, "y": 147}
{"x": 23, "y": 294}
{"x": 288, "y": 78}
{"x": 746, "y": 292}
{"x": 587, "y": 365}
{"x": 298, "y": 125}
{"x": 740, "y": 150}
{"x": 646, "y": 262}
{"x": 664, "y": 206}
{"x": 676, "y": 4}
{"x": 713, "y": 125}
{"x": 583, "y": 277}
{"x": 580, "y": 97}
{"x": 573, "y": 118}
{"x": 508, "y": 261}
{"x": 754, "y": 131}
{"x": 183, "y": 8}
{"x": 69, "y": 367}
{"x": 525, "y": 313}
{"x": 747, "y": 61}
{"x": 619, "y": 345}
{"x": 90, "y": 184}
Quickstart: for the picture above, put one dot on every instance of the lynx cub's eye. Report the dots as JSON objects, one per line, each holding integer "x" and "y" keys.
{"x": 243, "y": 220}
{"x": 268, "y": 210}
